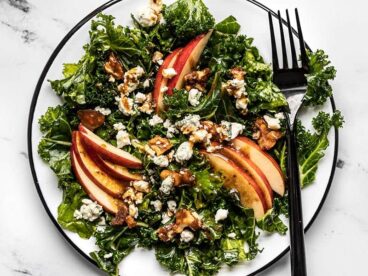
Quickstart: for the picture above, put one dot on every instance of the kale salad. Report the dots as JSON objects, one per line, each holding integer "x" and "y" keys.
{"x": 171, "y": 137}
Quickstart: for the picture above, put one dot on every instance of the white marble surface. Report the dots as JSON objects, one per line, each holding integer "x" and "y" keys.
{"x": 337, "y": 244}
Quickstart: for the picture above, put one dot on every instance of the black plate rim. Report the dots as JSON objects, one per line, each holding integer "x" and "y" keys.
{"x": 31, "y": 117}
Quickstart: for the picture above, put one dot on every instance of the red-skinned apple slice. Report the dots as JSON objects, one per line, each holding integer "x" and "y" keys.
{"x": 161, "y": 81}
{"x": 250, "y": 194}
{"x": 115, "y": 170}
{"x": 108, "y": 151}
{"x": 264, "y": 161}
{"x": 107, "y": 183}
{"x": 109, "y": 203}
{"x": 252, "y": 170}
{"x": 188, "y": 60}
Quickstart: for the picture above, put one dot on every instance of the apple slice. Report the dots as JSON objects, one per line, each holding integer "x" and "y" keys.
{"x": 251, "y": 195}
{"x": 108, "y": 151}
{"x": 264, "y": 161}
{"x": 114, "y": 170}
{"x": 252, "y": 170}
{"x": 109, "y": 204}
{"x": 188, "y": 60}
{"x": 107, "y": 183}
{"x": 161, "y": 81}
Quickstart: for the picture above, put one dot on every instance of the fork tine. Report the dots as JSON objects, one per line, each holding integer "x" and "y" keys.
{"x": 284, "y": 53}
{"x": 292, "y": 46}
{"x": 301, "y": 42}
{"x": 275, "y": 61}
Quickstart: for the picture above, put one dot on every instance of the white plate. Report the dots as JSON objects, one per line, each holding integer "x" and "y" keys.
{"x": 253, "y": 19}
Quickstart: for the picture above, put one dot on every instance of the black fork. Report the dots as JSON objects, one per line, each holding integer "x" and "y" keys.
{"x": 292, "y": 82}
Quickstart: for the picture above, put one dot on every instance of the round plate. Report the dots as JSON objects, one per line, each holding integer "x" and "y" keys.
{"x": 253, "y": 18}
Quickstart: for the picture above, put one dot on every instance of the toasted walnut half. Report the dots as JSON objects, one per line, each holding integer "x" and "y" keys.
{"x": 113, "y": 67}
{"x": 197, "y": 79}
{"x": 267, "y": 138}
{"x": 121, "y": 215}
{"x": 160, "y": 145}
{"x": 185, "y": 218}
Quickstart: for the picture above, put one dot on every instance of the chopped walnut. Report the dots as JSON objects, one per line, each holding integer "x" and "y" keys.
{"x": 238, "y": 73}
{"x": 166, "y": 233}
{"x": 131, "y": 80}
{"x": 267, "y": 137}
{"x": 147, "y": 106}
{"x": 210, "y": 127}
{"x": 113, "y": 67}
{"x": 160, "y": 145}
{"x": 183, "y": 177}
{"x": 120, "y": 216}
{"x": 197, "y": 79}
{"x": 130, "y": 221}
{"x": 185, "y": 218}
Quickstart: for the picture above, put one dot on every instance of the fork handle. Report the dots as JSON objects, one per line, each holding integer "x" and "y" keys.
{"x": 297, "y": 248}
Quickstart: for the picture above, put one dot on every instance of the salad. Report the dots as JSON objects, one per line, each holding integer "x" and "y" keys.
{"x": 171, "y": 137}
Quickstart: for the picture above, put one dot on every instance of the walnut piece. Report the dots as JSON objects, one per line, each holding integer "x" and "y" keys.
{"x": 183, "y": 177}
{"x": 90, "y": 118}
{"x": 113, "y": 67}
{"x": 267, "y": 138}
{"x": 160, "y": 145}
{"x": 237, "y": 73}
{"x": 120, "y": 216}
{"x": 197, "y": 79}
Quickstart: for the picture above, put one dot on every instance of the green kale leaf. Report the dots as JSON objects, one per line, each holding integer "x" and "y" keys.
{"x": 228, "y": 26}
{"x": 311, "y": 146}
{"x": 72, "y": 196}
{"x": 271, "y": 223}
{"x": 188, "y": 18}
{"x": 320, "y": 73}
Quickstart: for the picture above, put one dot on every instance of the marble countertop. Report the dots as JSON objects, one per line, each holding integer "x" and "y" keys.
{"x": 337, "y": 244}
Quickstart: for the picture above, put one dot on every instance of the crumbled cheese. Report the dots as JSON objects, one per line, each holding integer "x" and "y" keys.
{"x": 189, "y": 124}
{"x": 280, "y": 116}
{"x": 186, "y": 236}
{"x": 193, "y": 96}
{"x": 235, "y": 88}
{"x": 171, "y": 130}
{"x": 148, "y": 17}
{"x": 157, "y": 204}
{"x": 211, "y": 148}
{"x": 231, "y": 235}
{"x": 146, "y": 83}
{"x": 165, "y": 218}
{"x": 125, "y": 105}
{"x": 169, "y": 73}
{"x": 221, "y": 214}
{"x": 171, "y": 205}
{"x": 272, "y": 123}
{"x": 155, "y": 120}
{"x": 242, "y": 103}
{"x": 89, "y": 210}
{"x": 133, "y": 211}
{"x": 138, "y": 198}
{"x": 122, "y": 139}
{"x": 149, "y": 150}
{"x": 111, "y": 78}
{"x": 119, "y": 126}
{"x": 139, "y": 97}
{"x": 161, "y": 161}
{"x": 164, "y": 89}
{"x": 184, "y": 152}
{"x": 167, "y": 185}
{"x": 147, "y": 106}
{"x": 160, "y": 61}
{"x": 108, "y": 256}
{"x": 103, "y": 111}
{"x": 236, "y": 129}
{"x": 141, "y": 186}
{"x": 200, "y": 135}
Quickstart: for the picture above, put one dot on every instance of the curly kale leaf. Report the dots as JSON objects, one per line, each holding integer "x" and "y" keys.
{"x": 320, "y": 73}
{"x": 178, "y": 106}
{"x": 228, "y": 26}
{"x": 271, "y": 223}
{"x": 311, "y": 145}
{"x": 188, "y": 18}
